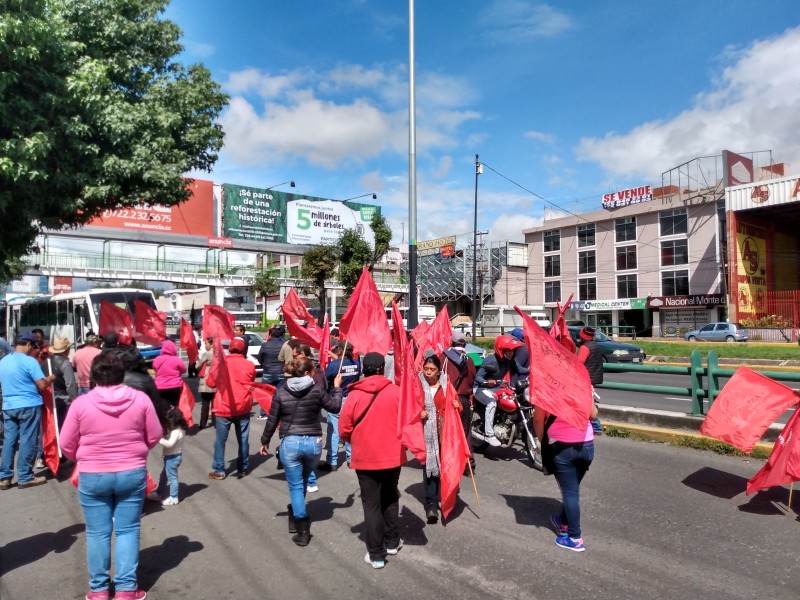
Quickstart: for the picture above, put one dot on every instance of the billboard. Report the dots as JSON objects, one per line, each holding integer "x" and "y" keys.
{"x": 193, "y": 217}
{"x": 444, "y": 247}
{"x": 258, "y": 214}
{"x": 751, "y": 270}
{"x": 643, "y": 193}
{"x": 738, "y": 169}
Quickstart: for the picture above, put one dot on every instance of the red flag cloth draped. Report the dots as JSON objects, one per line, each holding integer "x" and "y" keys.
{"x": 188, "y": 341}
{"x": 49, "y": 435}
{"x": 409, "y": 421}
{"x": 438, "y": 336}
{"x": 560, "y": 330}
{"x": 114, "y": 319}
{"x": 364, "y": 323}
{"x": 783, "y": 466}
{"x": 294, "y": 311}
{"x": 217, "y": 322}
{"x": 559, "y": 381}
{"x": 186, "y": 404}
{"x": 453, "y": 451}
{"x": 262, "y": 393}
{"x": 325, "y": 345}
{"x": 219, "y": 377}
{"x": 419, "y": 332}
{"x": 150, "y": 325}
{"x": 748, "y": 404}
{"x": 399, "y": 341}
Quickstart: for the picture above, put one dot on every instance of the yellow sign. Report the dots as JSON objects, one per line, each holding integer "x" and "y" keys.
{"x": 434, "y": 244}
{"x": 751, "y": 270}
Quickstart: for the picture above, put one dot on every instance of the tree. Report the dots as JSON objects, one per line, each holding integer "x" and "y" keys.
{"x": 355, "y": 252}
{"x": 265, "y": 284}
{"x": 383, "y": 237}
{"x": 319, "y": 265}
{"x": 95, "y": 114}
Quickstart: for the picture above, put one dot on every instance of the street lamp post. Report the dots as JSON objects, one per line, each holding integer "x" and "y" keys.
{"x": 291, "y": 184}
{"x": 478, "y": 171}
{"x": 373, "y": 194}
{"x": 412, "y": 174}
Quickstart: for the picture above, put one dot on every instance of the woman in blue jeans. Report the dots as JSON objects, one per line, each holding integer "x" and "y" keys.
{"x": 108, "y": 432}
{"x": 573, "y": 452}
{"x": 297, "y": 407}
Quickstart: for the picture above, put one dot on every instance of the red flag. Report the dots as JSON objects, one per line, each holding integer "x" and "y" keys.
{"x": 186, "y": 404}
{"x": 189, "y": 342}
{"x": 262, "y": 393}
{"x": 294, "y": 311}
{"x": 150, "y": 484}
{"x": 409, "y": 421}
{"x": 325, "y": 345}
{"x": 114, "y": 319}
{"x": 453, "y": 451}
{"x": 437, "y": 337}
{"x": 419, "y": 332}
{"x": 364, "y": 323}
{"x": 150, "y": 324}
{"x": 219, "y": 377}
{"x": 217, "y": 322}
{"x": 748, "y": 404}
{"x": 399, "y": 341}
{"x": 559, "y": 381}
{"x": 49, "y": 433}
{"x": 560, "y": 330}
{"x": 783, "y": 465}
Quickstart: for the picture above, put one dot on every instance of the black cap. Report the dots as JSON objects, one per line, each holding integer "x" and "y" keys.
{"x": 373, "y": 361}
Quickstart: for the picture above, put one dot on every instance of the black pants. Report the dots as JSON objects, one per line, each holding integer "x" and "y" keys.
{"x": 206, "y": 398}
{"x": 466, "y": 422}
{"x": 379, "y": 497}
{"x": 171, "y": 395}
{"x": 431, "y": 486}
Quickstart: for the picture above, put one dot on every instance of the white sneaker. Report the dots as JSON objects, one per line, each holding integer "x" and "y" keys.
{"x": 312, "y": 488}
{"x": 153, "y": 497}
{"x": 493, "y": 441}
{"x": 170, "y": 501}
{"x": 39, "y": 464}
{"x": 376, "y": 564}
{"x": 393, "y": 551}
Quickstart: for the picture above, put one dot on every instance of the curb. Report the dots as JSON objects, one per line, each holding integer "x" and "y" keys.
{"x": 659, "y": 434}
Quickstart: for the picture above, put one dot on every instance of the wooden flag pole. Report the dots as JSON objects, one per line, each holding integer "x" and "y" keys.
{"x": 791, "y": 489}
{"x": 341, "y": 359}
{"x": 475, "y": 487}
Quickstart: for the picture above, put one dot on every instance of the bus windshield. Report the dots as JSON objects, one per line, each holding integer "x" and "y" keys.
{"x": 124, "y": 300}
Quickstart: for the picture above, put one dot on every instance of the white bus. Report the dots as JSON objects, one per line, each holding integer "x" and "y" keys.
{"x": 425, "y": 312}
{"x": 72, "y": 315}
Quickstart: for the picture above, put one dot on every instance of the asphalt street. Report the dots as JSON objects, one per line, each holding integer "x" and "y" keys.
{"x": 658, "y": 522}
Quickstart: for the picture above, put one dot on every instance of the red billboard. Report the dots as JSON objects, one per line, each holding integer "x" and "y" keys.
{"x": 193, "y": 217}
{"x": 738, "y": 169}
{"x": 62, "y": 285}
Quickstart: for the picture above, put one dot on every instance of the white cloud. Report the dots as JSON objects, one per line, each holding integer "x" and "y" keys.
{"x": 754, "y": 105}
{"x": 512, "y": 21}
{"x": 547, "y": 138}
{"x": 509, "y": 227}
{"x": 264, "y": 85}
{"x": 199, "y": 49}
{"x": 444, "y": 168}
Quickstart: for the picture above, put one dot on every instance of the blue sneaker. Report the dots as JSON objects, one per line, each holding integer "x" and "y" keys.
{"x": 571, "y": 543}
{"x": 376, "y": 564}
{"x": 561, "y": 529}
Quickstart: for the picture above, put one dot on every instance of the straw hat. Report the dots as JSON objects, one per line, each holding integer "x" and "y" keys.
{"x": 60, "y": 345}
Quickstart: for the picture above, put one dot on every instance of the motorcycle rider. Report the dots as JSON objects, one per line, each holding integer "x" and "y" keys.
{"x": 496, "y": 369}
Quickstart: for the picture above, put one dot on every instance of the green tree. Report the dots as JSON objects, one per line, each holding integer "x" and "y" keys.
{"x": 265, "y": 284}
{"x": 355, "y": 252}
{"x": 95, "y": 114}
{"x": 319, "y": 265}
{"x": 383, "y": 237}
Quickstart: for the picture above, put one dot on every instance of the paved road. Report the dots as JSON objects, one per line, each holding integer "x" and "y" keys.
{"x": 659, "y": 522}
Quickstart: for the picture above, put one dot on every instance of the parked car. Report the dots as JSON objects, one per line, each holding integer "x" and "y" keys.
{"x": 718, "y": 332}
{"x": 612, "y": 350}
{"x": 254, "y": 342}
{"x": 466, "y": 328}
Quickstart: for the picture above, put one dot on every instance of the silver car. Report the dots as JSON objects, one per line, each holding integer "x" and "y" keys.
{"x": 718, "y": 332}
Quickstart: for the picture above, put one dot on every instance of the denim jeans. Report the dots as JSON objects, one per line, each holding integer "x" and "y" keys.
{"x": 112, "y": 501}
{"x": 170, "y": 475}
{"x": 277, "y": 380}
{"x": 241, "y": 428}
{"x": 432, "y": 487}
{"x": 571, "y": 463}
{"x": 23, "y": 425}
{"x": 84, "y": 390}
{"x": 332, "y": 439}
{"x": 300, "y": 455}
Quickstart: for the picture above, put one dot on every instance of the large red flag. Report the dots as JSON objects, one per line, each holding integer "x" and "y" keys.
{"x": 217, "y": 322}
{"x": 114, "y": 319}
{"x": 218, "y": 377}
{"x": 186, "y": 404}
{"x": 49, "y": 431}
{"x": 560, "y": 330}
{"x": 453, "y": 451}
{"x": 294, "y": 311}
{"x": 399, "y": 342}
{"x": 325, "y": 345}
{"x": 409, "y": 421}
{"x": 559, "y": 381}
{"x": 189, "y": 342}
{"x": 263, "y": 393}
{"x": 364, "y": 323}
{"x": 783, "y": 465}
{"x": 437, "y": 337}
{"x": 419, "y": 332}
{"x": 150, "y": 325}
{"x": 748, "y": 404}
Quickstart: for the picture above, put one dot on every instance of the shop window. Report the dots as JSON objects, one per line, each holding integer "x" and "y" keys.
{"x": 673, "y": 222}
{"x": 626, "y": 258}
{"x": 626, "y": 286}
{"x": 552, "y": 266}
{"x": 552, "y": 291}
{"x": 675, "y": 252}
{"x": 585, "y": 235}
{"x": 625, "y": 229}
{"x": 552, "y": 240}
{"x": 587, "y": 289}
{"x": 587, "y": 262}
{"x": 675, "y": 283}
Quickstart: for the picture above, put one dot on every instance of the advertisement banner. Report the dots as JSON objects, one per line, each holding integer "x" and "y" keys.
{"x": 662, "y": 302}
{"x": 751, "y": 270}
{"x": 62, "y": 285}
{"x": 621, "y": 198}
{"x": 253, "y": 214}
{"x": 193, "y": 217}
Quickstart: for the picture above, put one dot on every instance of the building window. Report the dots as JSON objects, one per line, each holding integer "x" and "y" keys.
{"x": 626, "y": 258}
{"x": 552, "y": 291}
{"x": 626, "y": 286}
{"x": 552, "y": 266}
{"x": 674, "y": 253}
{"x": 587, "y": 263}
{"x": 585, "y": 235}
{"x": 626, "y": 229}
{"x": 552, "y": 240}
{"x": 587, "y": 289}
{"x": 675, "y": 283}
{"x": 673, "y": 222}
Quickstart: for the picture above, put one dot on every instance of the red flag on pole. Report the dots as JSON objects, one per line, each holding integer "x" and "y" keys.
{"x": 560, "y": 330}
{"x": 748, "y": 404}
{"x": 399, "y": 342}
{"x": 114, "y": 319}
{"x": 150, "y": 325}
{"x": 186, "y": 404}
{"x": 294, "y": 311}
{"x": 438, "y": 335}
{"x": 189, "y": 342}
{"x": 364, "y": 323}
{"x": 409, "y": 421}
{"x": 217, "y": 322}
{"x": 419, "y": 332}
{"x": 783, "y": 465}
{"x": 559, "y": 381}
{"x": 325, "y": 345}
{"x": 218, "y": 377}
{"x": 263, "y": 393}
{"x": 50, "y": 431}
{"x": 453, "y": 451}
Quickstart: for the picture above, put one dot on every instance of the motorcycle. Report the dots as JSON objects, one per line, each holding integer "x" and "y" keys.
{"x": 513, "y": 421}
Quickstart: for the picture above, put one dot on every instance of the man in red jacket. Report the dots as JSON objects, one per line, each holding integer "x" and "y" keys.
{"x": 232, "y": 404}
{"x": 369, "y": 422}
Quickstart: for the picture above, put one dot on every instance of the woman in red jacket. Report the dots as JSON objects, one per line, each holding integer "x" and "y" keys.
{"x": 369, "y": 422}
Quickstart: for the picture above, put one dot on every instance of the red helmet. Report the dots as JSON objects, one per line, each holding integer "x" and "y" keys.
{"x": 506, "y": 342}
{"x": 506, "y": 400}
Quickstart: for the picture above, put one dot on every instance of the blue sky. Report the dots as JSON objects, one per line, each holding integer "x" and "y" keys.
{"x": 570, "y": 100}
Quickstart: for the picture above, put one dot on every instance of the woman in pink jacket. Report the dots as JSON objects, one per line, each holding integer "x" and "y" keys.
{"x": 108, "y": 432}
{"x": 169, "y": 367}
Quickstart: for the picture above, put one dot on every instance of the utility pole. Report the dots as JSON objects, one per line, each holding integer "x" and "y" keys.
{"x": 412, "y": 176}
{"x": 478, "y": 171}
{"x": 478, "y": 271}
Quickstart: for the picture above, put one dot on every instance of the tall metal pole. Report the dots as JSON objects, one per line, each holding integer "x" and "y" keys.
{"x": 412, "y": 176}
{"x": 475, "y": 253}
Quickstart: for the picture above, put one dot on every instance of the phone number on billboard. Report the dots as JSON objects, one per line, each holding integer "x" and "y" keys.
{"x": 137, "y": 215}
